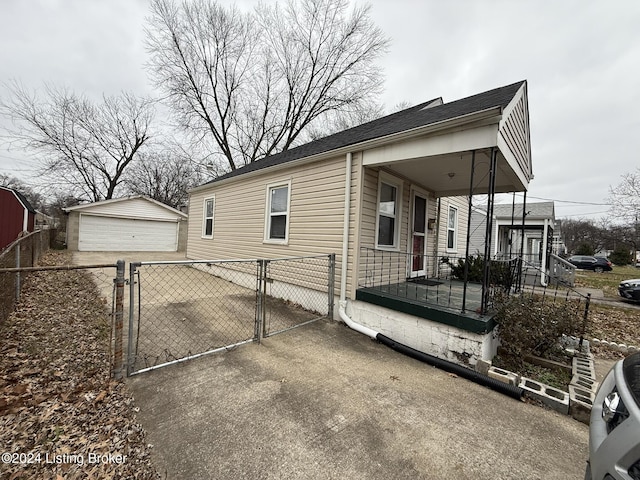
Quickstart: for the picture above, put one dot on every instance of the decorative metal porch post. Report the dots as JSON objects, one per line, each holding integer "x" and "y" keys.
{"x": 466, "y": 255}
{"x": 488, "y": 232}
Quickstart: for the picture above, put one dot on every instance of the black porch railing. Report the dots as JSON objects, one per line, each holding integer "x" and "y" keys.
{"x": 440, "y": 280}
{"x": 451, "y": 282}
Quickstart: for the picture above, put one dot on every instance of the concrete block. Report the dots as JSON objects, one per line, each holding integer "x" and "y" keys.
{"x": 586, "y": 383}
{"x": 483, "y": 366}
{"x": 584, "y": 355}
{"x": 504, "y": 376}
{"x": 552, "y": 397}
{"x": 583, "y": 367}
{"x": 580, "y": 403}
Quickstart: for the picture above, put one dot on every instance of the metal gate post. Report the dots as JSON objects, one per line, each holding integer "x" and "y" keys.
{"x": 263, "y": 296}
{"x": 17, "y": 277}
{"x": 132, "y": 297}
{"x": 259, "y": 325}
{"x": 331, "y": 283}
{"x": 119, "y": 313}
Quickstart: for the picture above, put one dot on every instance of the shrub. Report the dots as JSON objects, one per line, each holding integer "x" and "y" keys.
{"x": 501, "y": 271}
{"x": 529, "y": 324}
{"x": 585, "y": 249}
{"x": 621, "y": 255}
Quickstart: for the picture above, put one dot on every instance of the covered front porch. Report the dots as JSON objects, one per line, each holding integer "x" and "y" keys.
{"x": 416, "y": 259}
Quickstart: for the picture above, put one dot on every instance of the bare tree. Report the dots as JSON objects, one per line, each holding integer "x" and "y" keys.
{"x": 164, "y": 176}
{"x": 583, "y": 235}
{"x": 35, "y": 199}
{"x": 251, "y": 83}
{"x": 84, "y": 147}
{"x": 625, "y": 198}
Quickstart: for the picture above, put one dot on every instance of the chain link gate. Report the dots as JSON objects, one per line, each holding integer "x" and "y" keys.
{"x": 181, "y": 310}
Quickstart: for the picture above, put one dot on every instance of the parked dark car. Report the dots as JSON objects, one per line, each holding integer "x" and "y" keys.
{"x": 614, "y": 441}
{"x": 597, "y": 264}
{"x": 630, "y": 289}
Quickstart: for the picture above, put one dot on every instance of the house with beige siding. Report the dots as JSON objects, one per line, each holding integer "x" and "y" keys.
{"x": 391, "y": 199}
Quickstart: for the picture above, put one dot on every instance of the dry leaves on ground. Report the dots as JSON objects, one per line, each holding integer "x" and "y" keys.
{"x": 61, "y": 416}
{"x": 613, "y": 324}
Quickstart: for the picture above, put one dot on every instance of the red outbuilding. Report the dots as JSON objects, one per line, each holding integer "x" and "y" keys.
{"x": 16, "y": 216}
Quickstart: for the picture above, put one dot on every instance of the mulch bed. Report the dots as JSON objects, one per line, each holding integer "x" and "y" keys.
{"x": 61, "y": 415}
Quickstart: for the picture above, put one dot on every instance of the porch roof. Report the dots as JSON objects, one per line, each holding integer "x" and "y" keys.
{"x": 432, "y": 120}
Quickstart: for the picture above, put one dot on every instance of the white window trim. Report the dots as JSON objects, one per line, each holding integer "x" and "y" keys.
{"x": 453, "y": 249}
{"x": 384, "y": 177}
{"x": 267, "y": 214}
{"x": 204, "y": 217}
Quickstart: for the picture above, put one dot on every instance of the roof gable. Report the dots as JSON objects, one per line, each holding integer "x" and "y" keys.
{"x": 21, "y": 199}
{"x": 134, "y": 206}
{"x": 427, "y": 113}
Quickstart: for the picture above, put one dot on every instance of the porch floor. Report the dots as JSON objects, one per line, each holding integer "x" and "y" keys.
{"x": 433, "y": 300}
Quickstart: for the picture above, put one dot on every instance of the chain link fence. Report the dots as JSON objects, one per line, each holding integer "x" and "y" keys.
{"x": 78, "y": 301}
{"x": 185, "y": 309}
{"x": 24, "y": 252}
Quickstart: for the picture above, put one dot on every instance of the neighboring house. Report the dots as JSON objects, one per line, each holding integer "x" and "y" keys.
{"x": 510, "y": 239}
{"x": 539, "y": 243}
{"x": 16, "y": 216}
{"x": 133, "y": 224}
{"x": 391, "y": 199}
{"x": 44, "y": 221}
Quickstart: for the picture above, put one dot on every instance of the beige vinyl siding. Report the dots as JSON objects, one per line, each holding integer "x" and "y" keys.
{"x": 387, "y": 266}
{"x": 315, "y": 215}
{"x": 462, "y": 204}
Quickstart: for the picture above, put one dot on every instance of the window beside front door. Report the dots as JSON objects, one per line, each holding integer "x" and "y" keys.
{"x": 388, "y": 219}
{"x": 452, "y": 228}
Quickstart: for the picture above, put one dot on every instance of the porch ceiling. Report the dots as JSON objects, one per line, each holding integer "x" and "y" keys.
{"x": 450, "y": 174}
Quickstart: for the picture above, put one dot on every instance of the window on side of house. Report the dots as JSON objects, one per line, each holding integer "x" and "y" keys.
{"x": 452, "y": 229}
{"x": 277, "y": 221}
{"x": 388, "y": 215}
{"x": 207, "y": 217}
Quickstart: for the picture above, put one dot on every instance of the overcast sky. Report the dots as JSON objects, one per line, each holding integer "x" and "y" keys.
{"x": 581, "y": 59}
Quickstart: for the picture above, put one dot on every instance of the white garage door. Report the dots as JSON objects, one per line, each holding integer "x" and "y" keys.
{"x": 109, "y": 234}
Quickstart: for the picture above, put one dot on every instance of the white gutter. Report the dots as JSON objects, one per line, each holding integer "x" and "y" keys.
{"x": 345, "y": 253}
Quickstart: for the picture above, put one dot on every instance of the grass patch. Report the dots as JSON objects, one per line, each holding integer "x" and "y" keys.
{"x": 606, "y": 281}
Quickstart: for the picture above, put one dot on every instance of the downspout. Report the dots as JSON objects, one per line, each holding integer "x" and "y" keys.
{"x": 342, "y": 305}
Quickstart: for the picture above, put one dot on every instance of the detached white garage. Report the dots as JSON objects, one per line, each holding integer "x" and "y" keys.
{"x": 135, "y": 224}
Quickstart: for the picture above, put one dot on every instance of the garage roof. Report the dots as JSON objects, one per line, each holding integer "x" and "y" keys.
{"x": 136, "y": 206}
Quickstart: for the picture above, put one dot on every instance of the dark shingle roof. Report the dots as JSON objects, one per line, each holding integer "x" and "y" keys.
{"x": 25, "y": 203}
{"x": 537, "y": 210}
{"x": 414, "y": 117}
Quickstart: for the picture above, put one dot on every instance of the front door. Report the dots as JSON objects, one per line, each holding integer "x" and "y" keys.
{"x": 419, "y": 236}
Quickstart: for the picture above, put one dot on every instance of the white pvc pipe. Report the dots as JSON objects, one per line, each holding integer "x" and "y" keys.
{"x": 353, "y": 325}
{"x": 342, "y": 308}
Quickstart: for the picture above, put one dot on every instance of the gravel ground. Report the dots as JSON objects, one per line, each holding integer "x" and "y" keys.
{"x": 61, "y": 415}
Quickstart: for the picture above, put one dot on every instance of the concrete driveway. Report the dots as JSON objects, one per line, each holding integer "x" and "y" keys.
{"x": 324, "y": 402}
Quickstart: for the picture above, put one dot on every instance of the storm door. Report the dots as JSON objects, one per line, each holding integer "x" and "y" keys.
{"x": 418, "y": 258}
